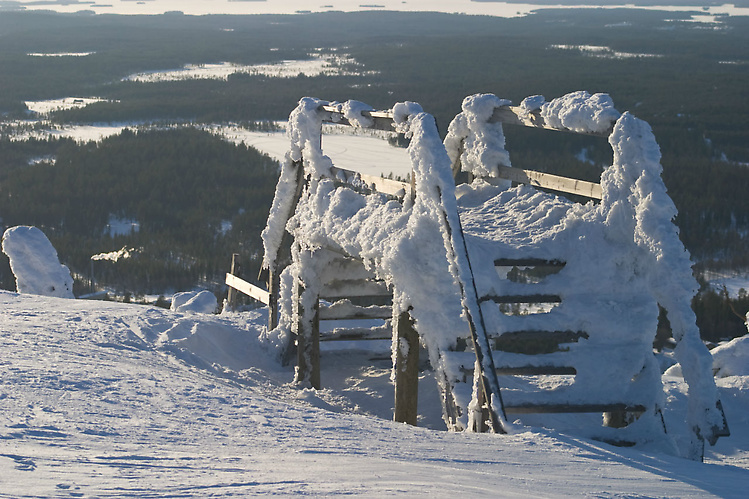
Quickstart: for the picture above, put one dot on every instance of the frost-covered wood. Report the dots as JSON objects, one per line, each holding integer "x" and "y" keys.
{"x": 437, "y": 252}
{"x": 247, "y": 288}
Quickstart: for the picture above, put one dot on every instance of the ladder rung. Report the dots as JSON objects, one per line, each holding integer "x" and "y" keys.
{"x": 571, "y": 408}
{"x": 527, "y": 262}
{"x": 527, "y": 371}
{"x": 356, "y": 334}
{"x": 521, "y": 299}
{"x": 536, "y": 371}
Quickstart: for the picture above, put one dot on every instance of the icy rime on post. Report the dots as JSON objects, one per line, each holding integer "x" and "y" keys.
{"x": 437, "y": 251}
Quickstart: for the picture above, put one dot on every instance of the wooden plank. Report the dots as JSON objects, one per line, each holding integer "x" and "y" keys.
{"x": 535, "y": 342}
{"x": 537, "y": 371}
{"x": 381, "y": 120}
{"x": 247, "y": 288}
{"x": 379, "y": 184}
{"x": 528, "y": 262}
{"x": 527, "y": 371}
{"x": 406, "y": 370}
{"x": 521, "y": 298}
{"x": 513, "y": 115}
{"x": 357, "y": 334}
{"x": 343, "y": 288}
{"x": 549, "y": 181}
{"x": 571, "y": 408}
{"x": 347, "y": 311}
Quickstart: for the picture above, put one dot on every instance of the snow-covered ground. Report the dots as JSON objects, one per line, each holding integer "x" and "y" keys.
{"x": 112, "y": 400}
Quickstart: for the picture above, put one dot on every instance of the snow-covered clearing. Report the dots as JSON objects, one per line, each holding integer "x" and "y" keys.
{"x": 105, "y": 399}
{"x": 317, "y": 65}
{"x": 47, "y": 106}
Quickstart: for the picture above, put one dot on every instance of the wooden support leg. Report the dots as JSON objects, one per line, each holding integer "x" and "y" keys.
{"x": 231, "y": 298}
{"x": 406, "y": 370}
{"x": 308, "y": 340}
{"x": 274, "y": 284}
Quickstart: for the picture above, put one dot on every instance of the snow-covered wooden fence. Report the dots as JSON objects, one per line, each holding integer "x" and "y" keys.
{"x": 434, "y": 253}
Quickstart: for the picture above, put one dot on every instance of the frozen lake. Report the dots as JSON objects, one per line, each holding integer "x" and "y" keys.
{"x": 202, "y": 7}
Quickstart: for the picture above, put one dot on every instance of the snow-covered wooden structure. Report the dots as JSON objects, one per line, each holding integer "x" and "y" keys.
{"x": 448, "y": 265}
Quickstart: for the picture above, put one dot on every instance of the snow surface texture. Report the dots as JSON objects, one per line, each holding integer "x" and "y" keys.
{"x": 628, "y": 238}
{"x": 34, "y": 262}
{"x": 104, "y": 399}
{"x": 200, "y": 302}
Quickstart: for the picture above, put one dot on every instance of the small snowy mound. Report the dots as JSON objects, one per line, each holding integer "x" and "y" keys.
{"x": 729, "y": 359}
{"x": 199, "y": 302}
{"x": 35, "y": 264}
{"x": 732, "y": 358}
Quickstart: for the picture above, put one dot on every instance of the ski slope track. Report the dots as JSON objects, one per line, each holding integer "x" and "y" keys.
{"x": 111, "y": 400}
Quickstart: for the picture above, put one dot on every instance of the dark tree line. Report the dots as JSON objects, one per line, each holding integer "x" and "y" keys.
{"x": 182, "y": 186}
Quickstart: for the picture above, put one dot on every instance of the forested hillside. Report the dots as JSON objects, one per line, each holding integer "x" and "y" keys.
{"x": 196, "y": 198}
{"x": 687, "y": 79}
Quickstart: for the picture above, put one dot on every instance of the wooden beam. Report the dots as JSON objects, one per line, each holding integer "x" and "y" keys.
{"x": 406, "y": 370}
{"x": 247, "y": 288}
{"x": 308, "y": 341}
{"x": 343, "y": 288}
{"x": 527, "y": 262}
{"x": 357, "y": 334}
{"x": 571, "y": 408}
{"x": 381, "y": 120}
{"x": 345, "y": 310}
{"x": 513, "y": 115}
{"x": 379, "y": 184}
{"x": 521, "y": 299}
{"x": 549, "y": 181}
{"x": 231, "y": 296}
{"x": 527, "y": 371}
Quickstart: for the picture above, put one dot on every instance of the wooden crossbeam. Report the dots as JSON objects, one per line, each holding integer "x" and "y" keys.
{"x": 549, "y": 181}
{"x": 521, "y": 298}
{"x": 345, "y": 288}
{"x": 513, "y": 115}
{"x": 571, "y": 408}
{"x": 357, "y": 334}
{"x": 247, "y": 288}
{"x": 381, "y": 120}
{"x": 528, "y": 371}
{"x": 379, "y": 184}
{"x": 350, "y": 312}
{"x": 527, "y": 262}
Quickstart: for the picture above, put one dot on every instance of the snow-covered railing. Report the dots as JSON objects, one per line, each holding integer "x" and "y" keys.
{"x": 416, "y": 246}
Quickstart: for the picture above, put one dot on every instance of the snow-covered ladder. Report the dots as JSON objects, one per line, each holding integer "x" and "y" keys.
{"x": 541, "y": 350}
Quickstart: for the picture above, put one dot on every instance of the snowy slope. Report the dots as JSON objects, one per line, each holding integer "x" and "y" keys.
{"x": 112, "y": 400}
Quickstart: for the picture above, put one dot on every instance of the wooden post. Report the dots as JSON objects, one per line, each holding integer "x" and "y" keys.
{"x": 308, "y": 341}
{"x": 231, "y": 297}
{"x": 274, "y": 283}
{"x": 406, "y": 370}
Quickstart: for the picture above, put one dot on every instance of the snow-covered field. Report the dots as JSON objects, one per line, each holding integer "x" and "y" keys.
{"x": 111, "y": 400}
